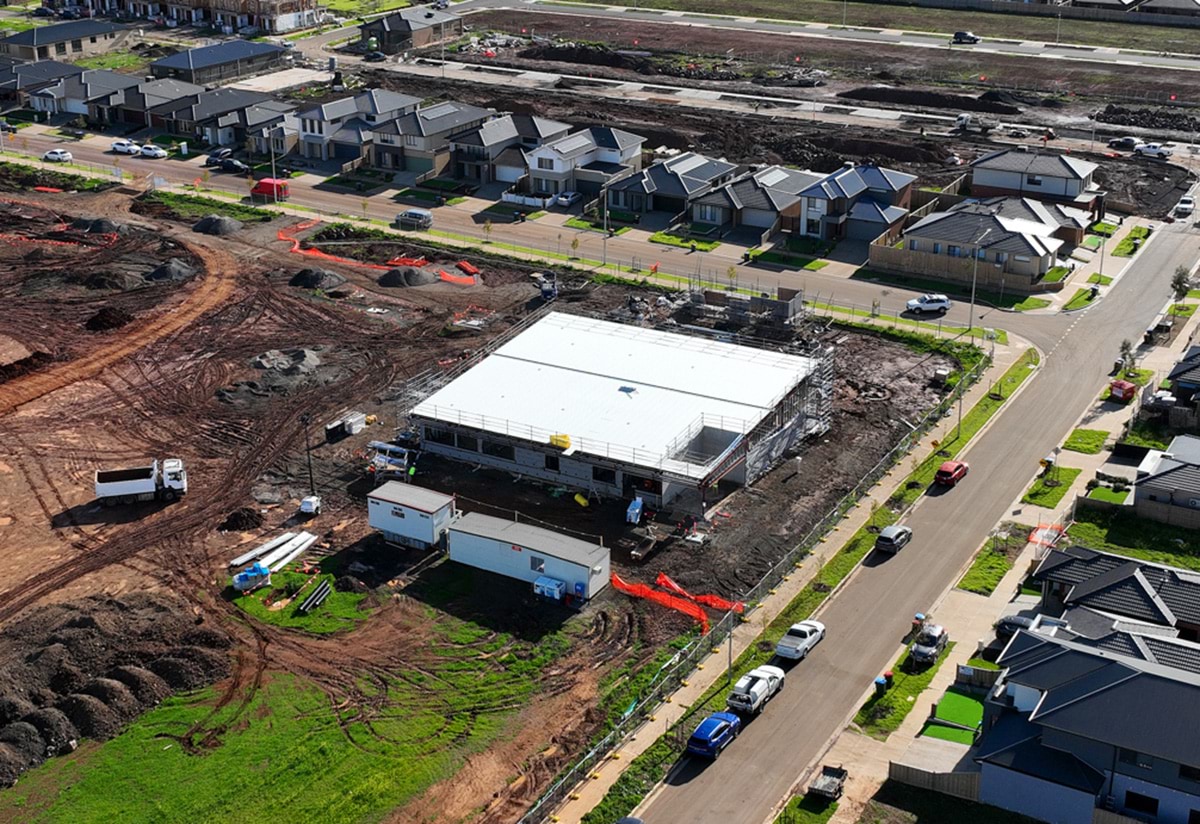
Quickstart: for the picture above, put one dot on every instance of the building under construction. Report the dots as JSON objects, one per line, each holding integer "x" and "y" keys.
{"x": 626, "y": 411}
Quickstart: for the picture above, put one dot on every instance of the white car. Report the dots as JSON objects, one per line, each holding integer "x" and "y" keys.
{"x": 928, "y": 303}
{"x": 125, "y": 147}
{"x": 1185, "y": 206}
{"x": 799, "y": 640}
{"x": 568, "y": 198}
{"x": 754, "y": 689}
{"x": 1152, "y": 150}
{"x": 157, "y": 152}
{"x": 58, "y": 156}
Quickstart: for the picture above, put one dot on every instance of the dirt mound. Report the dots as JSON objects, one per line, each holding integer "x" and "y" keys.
{"x": 213, "y": 664}
{"x": 12, "y": 764}
{"x": 116, "y": 281}
{"x": 589, "y": 55}
{"x": 110, "y": 317}
{"x": 91, "y": 716}
{"x": 179, "y": 674}
{"x": 348, "y": 583}
{"x": 13, "y": 707}
{"x": 242, "y": 519}
{"x": 206, "y": 637}
{"x": 316, "y": 279}
{"x": 174, "y": 270}
{"x": 58, "y": 733}
{"x": 217, "y": 225}
{"x": 1172, "y": 119}
{"x": 115, "y": 695}
{"x": 25, "y": 740}
{"x": 935, "y": 100}
{"x": 406, "y": 276}
{"x": 290, "y": 362}
{"x": 97, "y": 225}
{"x": 147, "y": 687}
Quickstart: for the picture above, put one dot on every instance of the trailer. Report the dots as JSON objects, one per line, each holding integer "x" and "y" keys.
{"x": 410, "y": 515}
{"x": 969, "y": 123}
{"x": 829, "y": 783}
{"x": 162, "y": 482}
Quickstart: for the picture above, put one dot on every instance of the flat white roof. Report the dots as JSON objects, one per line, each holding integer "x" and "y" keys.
{"x": 554, "y": 544}
{"x": 632, "y": 394}
{"x": 413, "y": 497}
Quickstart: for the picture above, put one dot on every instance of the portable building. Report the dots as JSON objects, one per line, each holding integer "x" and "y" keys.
{"x": 410, "y": 515}
{"x": 529, "y": 553}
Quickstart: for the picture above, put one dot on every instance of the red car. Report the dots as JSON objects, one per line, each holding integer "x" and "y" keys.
{"x": 951, "y": 472}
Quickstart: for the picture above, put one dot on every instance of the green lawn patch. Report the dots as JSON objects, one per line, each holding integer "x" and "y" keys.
{"x": 982, "y": 663}
{"x": 1104, "y": 493}
{"x": 883, "y": 714}
{"x": 340, "y": 611}
{"x": 1103, "y": 280}
{"x": 194, "y": 207}
{"x": 1056, "y": 274}
{"x": 1124, "y": 533}
{"x": 986, "y": 571}
{"x": 265, "y": 169}
{"x": 1087, "y": 441}
{"x": 594, "y": 226}
{"x": 1143, "y": 433}
{"x": 960, "y": 707}
{"x": 1141, "y": 377}
{"x": 1081, "y": 298}
{"x": 1092, "y": 242}
{"x": 1048, "y": 497}
{"x": 787, "y": 259}
{"x": 1127, "y": 247}
{"x": 954, "y": 734}
{"x": 30, "y": 176}
{"x": 1182, "y": 310}
{"x": 439, "y": 184}
{"x": 669, "y": 239}
{"x": 1029, "y": 304}
{"x": 1103, "y": 229}
{"x": 122, "y": 61}
{"x": 1194, "y": 294}
{"x": 806, "y": 810}
{"x": 417, "y": 194}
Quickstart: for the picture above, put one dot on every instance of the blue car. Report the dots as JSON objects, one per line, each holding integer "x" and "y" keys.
{"x": 714, "y": 734}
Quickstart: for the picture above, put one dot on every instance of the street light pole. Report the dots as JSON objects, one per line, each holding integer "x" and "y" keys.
{"x": 271, "y": 146}
{"x": 604, "y": 212}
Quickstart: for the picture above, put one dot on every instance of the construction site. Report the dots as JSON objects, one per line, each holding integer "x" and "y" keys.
{"x": 140, "y": 336}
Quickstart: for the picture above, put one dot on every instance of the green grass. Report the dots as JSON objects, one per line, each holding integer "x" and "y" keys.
{"x": 896, "y": 803}
{"x": 1029, "y": 304}
{"x": 669, "y": 239}
{"x": 35, "y": 176}
{"x": 983, "y": 664}
{"x": 1126, "y": 248}
{"x": 1081, "y": 298}
{"x": 1103, "y": 229}
{"x": 1141, "y": 377}
{"x": 126, "y": 61}
{"x": 265, "y": 169}
{"x": 1104, "y": 493}
{"x": 986, "y": 571}
{"x": 593, "y": 226}
{"x": 1092, "y": 242}
{"x": 1056, "y": 274}
{"x": 194, "y": 207}
{"x": 12, "y": 25}
{"x": 947, "y": 734}
{"x": 1194, "y": 294}
{"x": 355, "y": 8}
{"x": 1143, "y": 433}
{"x": 1103, "y": 280}
{"x": 1124, "y": 533}
{"x": 440, "y": 185}
{"x": 1182, "y": 310}
{"x": 1049, "y": 497}
{"x": 805, "y": 810}
{"x": 340, "y": 611}
{"x": 960, "y": 707}
{"x": 1087, "y": 441}
{"x": 883, "y": 714}
{"x": 796, "y": 261}
{"x": 417, "y": 194}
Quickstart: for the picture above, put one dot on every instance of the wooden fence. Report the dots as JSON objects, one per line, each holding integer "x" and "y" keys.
{"x": 958, "y": 784}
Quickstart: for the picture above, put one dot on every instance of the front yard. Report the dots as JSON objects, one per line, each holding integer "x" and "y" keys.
{"x": 883, "y": 714}
{"x": 1131, "y": 242}
{"x": 1087, "y": 441}
{"x": 672, "y": 239}
{"x": 1049, "y": 490}
{"x": 1123, "y": 532}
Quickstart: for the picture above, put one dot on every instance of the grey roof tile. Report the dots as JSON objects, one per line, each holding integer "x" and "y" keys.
{"x": 1039, "y": 163}
{"x": 61, "y": 32}
{"x": 229, "y": 51}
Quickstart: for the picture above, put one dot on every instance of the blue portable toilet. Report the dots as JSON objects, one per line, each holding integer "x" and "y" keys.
{"x": 633, "y": 515}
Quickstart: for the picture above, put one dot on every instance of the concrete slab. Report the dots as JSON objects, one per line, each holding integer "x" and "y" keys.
{"x": 285, "y": 79}
{"x": 937, "y": 755}
{"x": 699, "y": 94}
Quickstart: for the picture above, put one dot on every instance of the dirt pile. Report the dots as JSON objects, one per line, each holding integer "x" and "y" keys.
{"x": 110, "y": 317}
{"x": 934, "y": 100}
{"x": 405, "y": 277}
{"x": 97, "y": 225}
{"x": 290, "y": 362}
{"x": 316, "y": 279}
{"x": 217, "y": 225}
{"x": 590, "y": 55}
{"x": 1169, "y": 119}
{"x": 173, "y": 270}
{"x": 241, "y": 520}
{"x": 86, "y": 668}
{"x": 114, "y": 281}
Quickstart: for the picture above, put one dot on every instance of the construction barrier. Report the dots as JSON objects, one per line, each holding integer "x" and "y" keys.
{"x": 288, "y": 235}
{"x": 669, "y": 601}
{"x": 713, "y": 601}
{"x": 467, "y": 267}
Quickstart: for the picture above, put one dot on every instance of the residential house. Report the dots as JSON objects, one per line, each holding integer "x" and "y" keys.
{"x": 237, "y": 127}
{"x": 1109, "y": 5}
{"x": 131, "y": 105}
{"x": 1185, "y": 376}
{"x": 231, "y": 59}
{"x": 277, "y": 138}
{"x": 419, "y": 141}
{"x": 342, "y": 128}
{"x": 1040, "y": 175}
{"x": 1070, "y": 728}
{"x": 1187, "y": 8}
{"x": 273, "y": 16}
{"x": 495, "y": 150}
{"x": 65, "y": 41}
{"x": 410, "y": 28}
{"x": 855, "y": 202}
{"x": 74, "y": 93}
{"x": 1167, "y": 487}
{"x": 195, "y": 116}
{"x": 1072, "y": 223}
{"x": 19, "y": 80}
{"x": 584, "y": 161}
{"x": 669, "y": 185}
{"x": 759, "y": 199}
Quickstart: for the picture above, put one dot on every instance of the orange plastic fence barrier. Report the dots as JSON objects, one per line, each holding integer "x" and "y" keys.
{"x": 670, "y": 601}
{"x": 288, "y": 235}
{"x": 462, "y": 280}
{"x": 470, "y": 269}
{"x": 407, "y": 261}
{"x": 48, "y": 189}
{"x": 714, "y": 601}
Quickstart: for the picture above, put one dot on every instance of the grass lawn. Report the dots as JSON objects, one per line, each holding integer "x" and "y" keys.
{"x": 785, "y": 259}
{"x": 340, "y": 611}
{"x": 124, "y": 61}
{"x": 1141, "y": 377}
{"x": 805, "y": 810}
{"x": 1103, "y": 280}
{"x": 1126, "y": 248}
{"x": 265, "y": 168}
{"x": 1092, "y": 242}
{"x": 669, "y": 239}
{"x": 356, "y": 8}
{"x": 1182, "y": 310}
{"x": 441, "y": 185}
{"x": 1029, "y": 304}
{"x": 1103, "y": 229}
{"x": 1087, "y": 441}
{"x": 897, "y": 803}
{"x": 954, "y": 734}
{"x": 982, "y": 663}
{"x": 986, "y": 571}
{"x": 1142, "y": 433}
{"x": 414, "y": 194}
{"x": 1049, "y": 497}
{"x": 960, "y": 707}
{"x": 883, "y": 714}
{"x": 1104, "y": 493}
{"x": 1056, "y": 274}
{"x": 1194, "y": 294}
{"x": 592, "y": 226}
{"x": 195, "y": 207}
{"x": 1081, "y": 298}
{"x": 1124, "y": 533}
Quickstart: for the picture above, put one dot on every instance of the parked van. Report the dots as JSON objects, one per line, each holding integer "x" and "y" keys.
{"x": 270, "y": 188}
{"x": 415, "y": 219}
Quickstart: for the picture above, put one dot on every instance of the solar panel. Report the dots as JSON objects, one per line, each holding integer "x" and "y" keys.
{"x": 436, "y": 111}
{"x": 773, "y": 177}
{"x": 573, "y": 142}
{"x": 685, "y": 165}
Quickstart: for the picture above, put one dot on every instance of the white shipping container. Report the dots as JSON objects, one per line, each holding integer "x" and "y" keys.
{"x": 410, "y": 515}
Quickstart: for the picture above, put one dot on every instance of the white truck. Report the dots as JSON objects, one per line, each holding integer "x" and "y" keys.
{"x": 161, "y": 481}
{"x": 966, "y": 122}
{"x": 754, "y": 689}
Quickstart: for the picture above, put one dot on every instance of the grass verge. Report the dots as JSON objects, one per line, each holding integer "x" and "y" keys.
{"x": 1124, "y": 533}
{"x": 788, "y": 260}
{"x": 986, "y": 571}
{"x": 897, "y": 803}
{"x": 1182, "y": 310}
{"x": 1141, "y": 377}
{"x": 1048, "y": 496}
{"x": 1128, "y": 245}
{"x": 883, "y": 714}
{"x": 1029, "y": 304}
{"x": 1087, "y": 441}
{"x": 124, "y": 61}
{"x": 1081, "y": 299}
{"x": 1109, "y": 495}
{"x": 1103, "y": 280}
{"x": 1056, "y": 274}
{"x": 668, "y": 239}
{"x": 196, "y": 207}
{"x": 593, "y": 226}
{"x": 804, "y": 810}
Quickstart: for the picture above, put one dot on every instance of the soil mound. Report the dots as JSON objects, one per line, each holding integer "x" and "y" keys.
{"x": 316, "y": 279}
{"x": 12, "y": 707}
{"x": 179, "y": 674}
{"x": 12, "y": 764}
{"x": 217, "y": 225}
{"x": 935, "y": 100}
{"x": 117, "y": 281}
{"x": 289, "y": 362}
{"x": 90, "y": 716}
{"x": 1158, "y": 119}
{"x": 147, "y": 687}
{"x": 97, "y": 225}
{"x": 348, "y": 583}
{"x": 242, "y": 519}
{"x": 406, "y": 276}
{"x": 110, "y": 317}
{"x": 115, "y": 695}
{"x": 58, "y": 733}
{"x": 25, "y": 740}
{"x": 173, "y": 270}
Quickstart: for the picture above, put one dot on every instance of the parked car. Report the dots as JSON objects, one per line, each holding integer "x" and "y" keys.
{"x": 929, "y": 303}
{"x": 714, "y": 734}
{"x": 127, "y": 147}
{"x": 951, "y": 472}
{"x": 799, "y": 640}
{"x": 1125, "y": 144}
{"x": 893, "y": 538}
{"x": 568, "y": 198}
{"x": 58, "y": 156}
{"x": 967, "y": 37}
{"x": 153, "y": 151}
{"x": 1152, "y": 150}
{"x": 375, "y": 57}
{"x": 7, "y": 127}
{"x": 754, "y": 689}
{"x": 1185, "y": 206}
{"x": 231, "y": 165}
{"x": 72, "y": 13}
{"x": 43, "y": 11}
{"x": 216, "y": 156}
{"x": 1017, "y": 132}
{"x": 929, "y": 644}
{"x": 1008, "y": 626}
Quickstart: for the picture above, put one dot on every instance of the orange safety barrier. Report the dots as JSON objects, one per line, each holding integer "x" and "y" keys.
{"x": 288, "y": 236}
{"x": 468, "y": 280}
{"x": 467, "y": 267}
{"x": 48, "y": 190}
{"x": 714, "y": 601}
{"x": 669, "y": 601}
{"x": 407, "y": 261}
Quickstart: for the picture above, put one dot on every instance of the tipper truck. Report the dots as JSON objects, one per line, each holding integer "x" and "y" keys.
{"x": 162, "y": 481}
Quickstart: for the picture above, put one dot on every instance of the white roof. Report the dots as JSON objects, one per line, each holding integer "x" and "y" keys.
{"x": 633, "y": 394}
{"x": 413, "y": 497}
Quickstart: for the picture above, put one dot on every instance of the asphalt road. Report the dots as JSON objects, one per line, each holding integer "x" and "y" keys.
{"x": 867, "y": 619}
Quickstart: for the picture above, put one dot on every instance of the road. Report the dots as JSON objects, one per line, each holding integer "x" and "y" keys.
{"x": 867, "y": 618}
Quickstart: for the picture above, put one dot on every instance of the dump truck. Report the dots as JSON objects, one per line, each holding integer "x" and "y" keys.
{"x": 160, "y": 481}
{"x": 966, "y": 122}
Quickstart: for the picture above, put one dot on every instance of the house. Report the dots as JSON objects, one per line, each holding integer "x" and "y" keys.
{"x": 1167, "y": 487}
{"x": 1185, "y": 376}
{"x": 231, "y": 59}
{"x": 855, "y": 202}
{"x": 196, "y": 115}
{"x": 236, "y": 127}
{"x": 74, "y": 93}
{"x": 132, "y": 104}
{"x": 419, "y": 141}
{"x": 494, "y": 150}
{"x": 584, "y": 161}
{"x": 274, "y": 16}
{"x": 1111, "y": 5}
{"x": 758, "y": 199}
{"x": 669, "y": 185}
{"x": 342, "y": 128}
{"x": 72, "y": 40}
{"x": 1040, "y": 175}
{"x": 1069, "y": 729}
{"x": 409, "y": 28}
{"x": 1189, "y": 8}
{"x": 19, "y": 80}
{"x": 277, "y": 138}
{"x": 1072, "y": 223}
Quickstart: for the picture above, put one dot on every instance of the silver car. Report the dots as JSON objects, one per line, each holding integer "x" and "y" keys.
{"x": 893, "y": 538}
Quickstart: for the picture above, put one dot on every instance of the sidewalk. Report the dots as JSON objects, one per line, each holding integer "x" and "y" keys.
{"x": 1113, "y": 267}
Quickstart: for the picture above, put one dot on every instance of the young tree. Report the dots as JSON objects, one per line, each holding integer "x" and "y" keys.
{"x": 487, "y": 229}
{"x": 731, "y": 272}
{"x": 574, "y": 246}
{"x": 1127, "y": 355}
{"x": 1181, "y": 283}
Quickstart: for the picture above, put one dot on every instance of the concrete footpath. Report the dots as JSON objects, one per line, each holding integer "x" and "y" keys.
{"x": 588, "y": 794}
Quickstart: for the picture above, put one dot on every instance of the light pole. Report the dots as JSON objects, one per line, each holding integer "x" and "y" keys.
{"x": 845, "y": 11}
{"x": 1058, "y": 29}
{"x": 271, "y": 147}
{"x": 975, "y": 276}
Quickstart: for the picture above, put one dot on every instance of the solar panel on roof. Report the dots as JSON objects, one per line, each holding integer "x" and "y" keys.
{"x": 687, "y": 164}
{"x": 773, "y": 177}
{"x": 440, "y": 110}
{"x": 574, "y": 142}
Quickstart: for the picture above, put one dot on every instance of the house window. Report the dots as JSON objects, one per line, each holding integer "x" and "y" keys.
{"x": 937, "y": 248}
{"x": 912, "y": 246}
{"x": 410, "y": 140}
{"x": 552, "y": 463}
{"x": 546, "y": 163}
{"x": 467, "y": 442}
{"x": 1001, "y": 257}
{"x": 981, "y": 254}
{"x": 1135, "y": 759}
{"x": 91, "y": 40}
{"x": 708, "y": 214}
{"x": 1138, "y": 803}
{"x": 812, "y": 226}
{"x": 1189, "y": 773}
{"x": 604, "y": 476}
{"x": 76, "y": 45}
{"x": 953, "y": 251}
{"x": 442, "y": 436}
{"x": 60, "y": 48}
{"x": 537, "y": 564}
{"x": 1193, "y": 817}
{"x": 499, "y": 450}
{"x": 1033, "y": 180}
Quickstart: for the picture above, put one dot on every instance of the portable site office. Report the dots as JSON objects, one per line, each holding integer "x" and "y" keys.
{"x": 410, "y": 515}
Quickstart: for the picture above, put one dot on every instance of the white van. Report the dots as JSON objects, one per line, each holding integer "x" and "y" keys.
{"x": 414, "y": 219}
